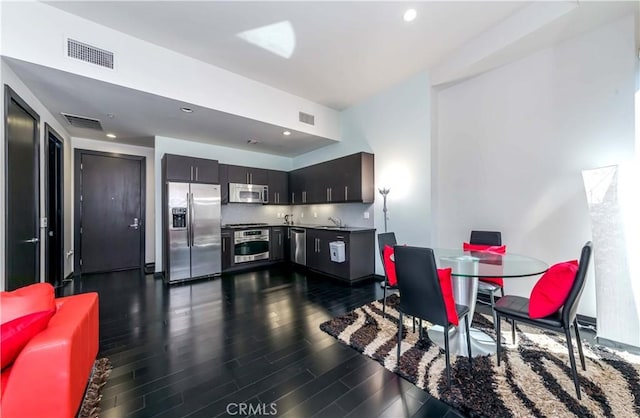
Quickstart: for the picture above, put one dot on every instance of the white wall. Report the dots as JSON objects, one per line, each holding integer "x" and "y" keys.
{"x": 7, "y": 76}
{"x": 395, "y": 126}
{"x": 150, "y": 201}
{"x": 512, "y": 143}
{"x": 143, "y": 66}
{"x": 164, "y": 145}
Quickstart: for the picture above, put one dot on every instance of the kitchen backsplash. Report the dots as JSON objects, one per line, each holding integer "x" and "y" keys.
{"x": 351, "y": 214}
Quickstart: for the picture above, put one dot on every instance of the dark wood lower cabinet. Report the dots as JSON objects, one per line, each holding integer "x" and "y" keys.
{"x": 227, "y": 249}
{"x": 276, "y": 249}
{"x": 359, "y": 262}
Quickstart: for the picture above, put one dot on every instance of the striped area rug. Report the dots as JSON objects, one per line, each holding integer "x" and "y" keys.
{"x": 533, "y": 380}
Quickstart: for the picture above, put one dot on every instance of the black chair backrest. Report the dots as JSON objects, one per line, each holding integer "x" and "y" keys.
{"x": 486, "y": 238}
{"x": 571, "y": 304}
{"x": 420, "y": 292}
{"x": 387, "y": 238}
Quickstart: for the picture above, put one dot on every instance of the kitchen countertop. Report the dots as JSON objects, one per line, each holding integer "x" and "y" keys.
{"x": 323, "y": 227}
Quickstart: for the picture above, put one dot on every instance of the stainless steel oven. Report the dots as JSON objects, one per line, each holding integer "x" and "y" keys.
{"x": 250, "y": 245}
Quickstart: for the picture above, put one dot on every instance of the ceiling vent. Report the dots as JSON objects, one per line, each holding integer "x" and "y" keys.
{"x": 88, "y": 53}
{"x": 306, "y": 118}
{"x": 83, "y": 122}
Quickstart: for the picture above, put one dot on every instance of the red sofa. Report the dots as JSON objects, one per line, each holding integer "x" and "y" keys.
{"x": 49, "y": 375}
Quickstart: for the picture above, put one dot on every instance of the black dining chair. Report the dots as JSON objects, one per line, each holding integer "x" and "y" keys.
{"x": 384, "y": 239}
{"x": 421, "y": 295}
{"x": 493, "y": 238}
{"x": 517, "y": 309}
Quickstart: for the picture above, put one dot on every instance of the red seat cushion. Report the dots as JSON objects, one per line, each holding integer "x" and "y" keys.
{"x": 389, "y": 265}
{"x": 15, "y": 334}
{"x": 26, "y": 300}
{"x": 551, "y": 291}
{"x": 444, "y": 275}
{"x": 498, "y": 249}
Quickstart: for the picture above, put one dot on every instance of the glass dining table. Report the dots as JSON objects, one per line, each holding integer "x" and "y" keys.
{"x": 466, "y": 268}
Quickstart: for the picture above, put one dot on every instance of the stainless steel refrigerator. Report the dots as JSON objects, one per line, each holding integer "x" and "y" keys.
{"x": 193, "y": 240}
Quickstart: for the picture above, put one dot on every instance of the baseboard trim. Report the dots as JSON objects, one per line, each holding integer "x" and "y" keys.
{"x": 618, "y": 345}
{"x": 149, "y": 268}
{"x": 587, "y": 321}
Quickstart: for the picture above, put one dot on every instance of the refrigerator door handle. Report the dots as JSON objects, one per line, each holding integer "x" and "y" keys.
{"x": 192, "y": 213}
{"x": 188, "y": 221}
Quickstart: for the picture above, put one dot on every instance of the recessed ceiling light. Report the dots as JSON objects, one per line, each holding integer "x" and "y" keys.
{"x": 286, "y": 133}
{"x": 111, "y": 136}
{"x": 186, "y": 109}
{"x": 410, "y": 15}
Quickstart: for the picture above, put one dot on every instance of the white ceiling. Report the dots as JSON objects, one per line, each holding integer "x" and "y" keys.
{"x": 344, "y": 53}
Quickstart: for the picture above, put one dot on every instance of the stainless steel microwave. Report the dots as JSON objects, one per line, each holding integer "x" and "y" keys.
{"x": 248, "y": 193}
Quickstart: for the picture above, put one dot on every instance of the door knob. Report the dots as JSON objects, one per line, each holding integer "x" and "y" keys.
{"x": 135, "y": 224}
{"x": 32, "y": 240}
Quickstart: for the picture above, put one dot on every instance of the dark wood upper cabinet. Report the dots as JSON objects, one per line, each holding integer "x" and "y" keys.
{"x": 346, "y": 179}
{"x": 278, "y": 182}
{"x": 190, "y": 169}
{"x": 247, "y": 175}
{"x": 223, "y": 174}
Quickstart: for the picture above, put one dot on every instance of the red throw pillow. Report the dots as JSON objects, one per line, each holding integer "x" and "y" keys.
{"x": 389, "y": 265}
{"x": 551, "y": 291}
{"x": 498, "y": 249}
{"x": 444, "y": 275}
{"x": 15, "y": 334}
{"x": 26, "y": 300}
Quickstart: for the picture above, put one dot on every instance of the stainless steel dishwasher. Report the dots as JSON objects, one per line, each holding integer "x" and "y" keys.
{"x": 299, "y": 246}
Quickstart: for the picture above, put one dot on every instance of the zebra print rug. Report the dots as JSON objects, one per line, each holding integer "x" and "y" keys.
{"x": 533, "y": 380}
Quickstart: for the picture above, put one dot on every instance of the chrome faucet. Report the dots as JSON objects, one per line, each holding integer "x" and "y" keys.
{"x": 337, "y": 221}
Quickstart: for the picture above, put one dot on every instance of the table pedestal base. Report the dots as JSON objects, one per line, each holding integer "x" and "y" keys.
{"x": 481, "y": 343}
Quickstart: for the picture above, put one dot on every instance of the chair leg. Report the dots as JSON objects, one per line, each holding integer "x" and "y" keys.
{"x": 501, "y": 292}
{"x": 414, "y": 324}
{"x": 493, "y": 304}
{"x": 575, "y": 327}
{"x": 399, "y": 340}
{"x": 446, "y": 355}
{"x": 498, "y": 344}
{"x": 384, "y": 300}
{"x": 513, "y": 331}
{"x": 466, "y": 323}
{"x": 420, "y": 325}
{"x": 572, "y": 359}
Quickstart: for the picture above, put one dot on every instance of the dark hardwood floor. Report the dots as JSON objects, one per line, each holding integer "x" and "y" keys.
{"x": 204, "y": 348}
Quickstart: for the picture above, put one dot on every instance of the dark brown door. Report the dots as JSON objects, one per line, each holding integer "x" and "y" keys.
{"x": 23, "y": 193}
{"x": 111, "y": 211}
{"x": 53, "y": 238}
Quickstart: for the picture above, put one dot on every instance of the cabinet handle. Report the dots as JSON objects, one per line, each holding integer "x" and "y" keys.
{"x": 191, "y": 173}
{"x": 330, "y": 194}
{"x": 339, "y": 237}
{"x": 223, "y": 246}
{"x": 293, "y": 200}
{"x": 279, "y": 239}
{"x": 196, "y": 173}
{"x": 346, "y": 192}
